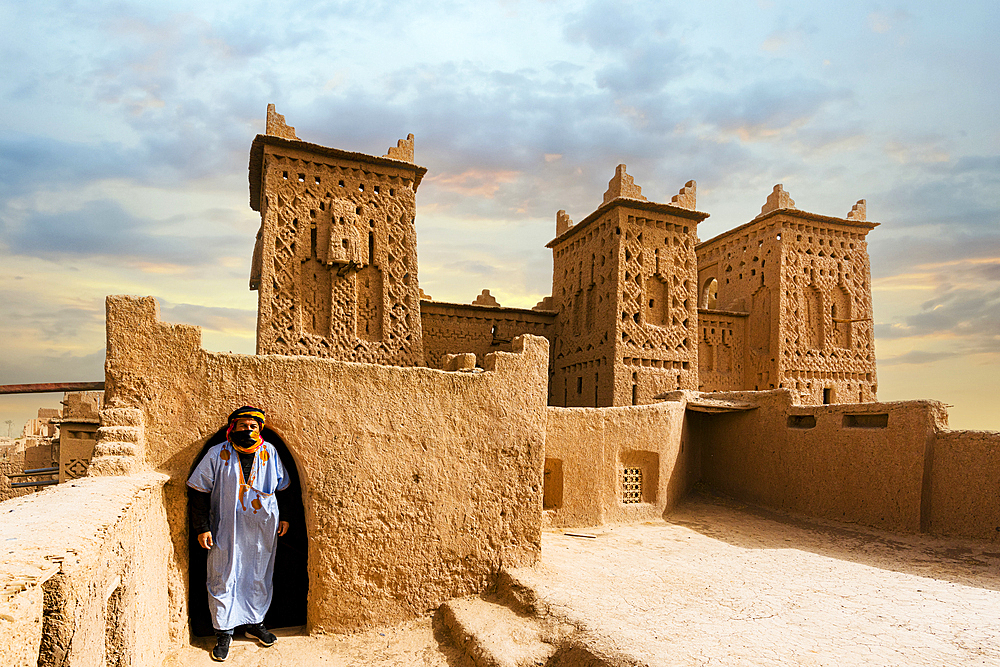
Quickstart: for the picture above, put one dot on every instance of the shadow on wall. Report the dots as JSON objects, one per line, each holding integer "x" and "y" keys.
{"x": 291, "y": 576}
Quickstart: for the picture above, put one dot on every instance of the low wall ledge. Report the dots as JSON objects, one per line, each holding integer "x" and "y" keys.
{"x": 62, "y": 524}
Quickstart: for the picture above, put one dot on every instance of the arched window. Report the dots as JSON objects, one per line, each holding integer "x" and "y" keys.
{"x": 710, "y": 293}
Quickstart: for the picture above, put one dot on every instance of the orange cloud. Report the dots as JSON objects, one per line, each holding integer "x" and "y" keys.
{"x": 474, "y": 182}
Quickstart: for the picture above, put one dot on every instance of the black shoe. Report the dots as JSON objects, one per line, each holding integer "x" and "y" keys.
{"x": 258, "y": 630}
{"x": 221, "y": 650}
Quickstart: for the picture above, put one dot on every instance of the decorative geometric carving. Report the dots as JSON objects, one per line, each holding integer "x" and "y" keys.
{"x": 76, "y": 468}
{"x": 338, "y": 269}
{"x": 631, "y": 485}
{"x": 819, "y": 280}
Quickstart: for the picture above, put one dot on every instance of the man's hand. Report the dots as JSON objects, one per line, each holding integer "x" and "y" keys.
{"x": 205, "y": 540}
{"x": 282, "y": 528}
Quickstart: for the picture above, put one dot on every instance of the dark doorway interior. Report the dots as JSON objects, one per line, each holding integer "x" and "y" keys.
{"x": 291, "y": 575}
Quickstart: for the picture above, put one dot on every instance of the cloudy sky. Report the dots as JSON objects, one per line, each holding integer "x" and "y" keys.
{"x": 126, "y": 130}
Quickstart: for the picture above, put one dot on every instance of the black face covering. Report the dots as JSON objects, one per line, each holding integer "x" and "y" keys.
{"x": 242, "y": 439}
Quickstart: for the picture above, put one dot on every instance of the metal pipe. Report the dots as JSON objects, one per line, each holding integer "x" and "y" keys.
{"x": 46, "y": 482}
{"x": 36, "y": 471}
{"x": 50, "y": 387}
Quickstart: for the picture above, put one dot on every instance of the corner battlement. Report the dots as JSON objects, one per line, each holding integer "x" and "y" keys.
{"x": 403, "y": 150}
{"x": 686, "y": 197}
{"x": 623, "y": 185}
{"x": 778, "y": 199}
{"x": 277, "y": 127}
{"x": 859, "y": 212}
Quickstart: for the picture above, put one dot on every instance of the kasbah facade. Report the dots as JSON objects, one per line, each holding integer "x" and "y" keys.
{"x": 433, "y": 442}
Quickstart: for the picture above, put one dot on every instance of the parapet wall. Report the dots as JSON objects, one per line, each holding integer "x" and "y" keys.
{"x": 451, "y": 328}
{"x": 889, "y": 465}
{"x": 587, "y": 452}
{"x": 965, "y": 485}
{"x": 85, "y": 577}
{"x": 861, "y": 463}
{"x": 418, "y": 484}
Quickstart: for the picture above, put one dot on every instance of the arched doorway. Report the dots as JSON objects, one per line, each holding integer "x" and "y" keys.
{"x": 291, "y": 574}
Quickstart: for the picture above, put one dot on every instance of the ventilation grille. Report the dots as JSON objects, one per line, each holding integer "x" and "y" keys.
{"x": 632, "y": 485}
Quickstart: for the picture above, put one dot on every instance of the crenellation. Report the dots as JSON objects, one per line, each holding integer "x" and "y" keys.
{"x": 859, "y": 211}
{"x": 778, "y": 199}
{"x": 563, "y": 222}
{"x": 403, "y": 150}
{"x": 276, "y": 126}
{"x": 622, "y": 185}
{"x": 486, "y": 299}
{"x": 686, "y": 197}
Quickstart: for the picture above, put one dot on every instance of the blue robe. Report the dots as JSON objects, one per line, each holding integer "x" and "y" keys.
{"x": 244, "y": 531}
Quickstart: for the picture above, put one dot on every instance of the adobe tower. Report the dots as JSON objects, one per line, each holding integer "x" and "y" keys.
{"x": 335, "y": 263}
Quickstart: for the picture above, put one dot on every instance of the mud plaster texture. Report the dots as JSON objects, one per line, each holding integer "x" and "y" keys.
{"x": 88, "y": 561}
{"x": 335, "y": 262}
{"x": 638, "y": 305}
{"x": 11, "y": 463}
{"x": 861, "y": 463}
{"x": 78, "y": 432}
{"x": 588, "y": 449}
{"x": 450, "y": 328}
{"x": 965, "y": 485}
{"x": 418, "y": 485}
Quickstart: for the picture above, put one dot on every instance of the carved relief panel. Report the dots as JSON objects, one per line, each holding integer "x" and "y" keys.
{"x": 338, "y": 260}
{"x": 656, "y": 336}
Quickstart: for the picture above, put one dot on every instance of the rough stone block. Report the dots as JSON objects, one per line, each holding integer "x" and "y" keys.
{"x": 457, "y": 362}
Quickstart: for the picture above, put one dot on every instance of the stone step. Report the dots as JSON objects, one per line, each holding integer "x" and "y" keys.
{"x": 118, "y": 434}
{"x": 492, "y": 635}
{"x": 115, "y": 448}
{"x": 122, "y": 417}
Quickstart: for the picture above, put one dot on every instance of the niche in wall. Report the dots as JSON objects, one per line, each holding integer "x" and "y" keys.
{"x": 552, "y": 489}
{"x": 640, "y": 476}
{"x": 870, "y": 420}
{"x": 801, "y": 421}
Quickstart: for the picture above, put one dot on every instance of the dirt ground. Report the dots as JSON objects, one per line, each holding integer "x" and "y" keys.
{"x": 720, "y": 583}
